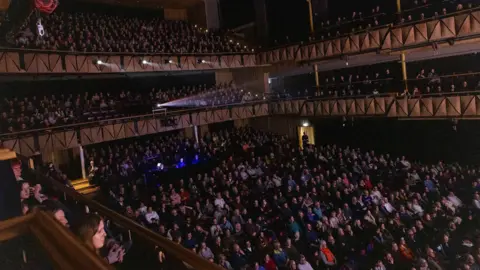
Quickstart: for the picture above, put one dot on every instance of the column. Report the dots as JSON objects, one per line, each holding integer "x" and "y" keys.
{"x": 212, "y": 14}
{"x": 195, "y": 131}
{"x": 317, "y": 80}
{"x": 404, "y": 70}
{"x": 310, "y": 18}
{"x": 261, "y": 21}
{"x": 82, "y": 162}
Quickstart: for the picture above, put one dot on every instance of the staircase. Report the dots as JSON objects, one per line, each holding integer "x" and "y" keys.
{"x": 83, "y": 187}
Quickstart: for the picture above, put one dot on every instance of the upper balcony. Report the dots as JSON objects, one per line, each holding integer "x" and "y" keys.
{"x": 442, "y": 30}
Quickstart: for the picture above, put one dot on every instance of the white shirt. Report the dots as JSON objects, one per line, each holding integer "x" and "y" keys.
{"x": 151, "y": 216}
{"x": 305, "y": 266}
{"x": 388, "y": 207}
{"x": 143, "y": 210}
{"x": 219, "y": 202}
{"x": 476, "y": 203}
{"x": 417, "y": 209}
{"x": 377, "y": 196}
{"x": 455, "y": 200}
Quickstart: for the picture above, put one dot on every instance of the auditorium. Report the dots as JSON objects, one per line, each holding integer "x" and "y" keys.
{"x": 240, "y": 134}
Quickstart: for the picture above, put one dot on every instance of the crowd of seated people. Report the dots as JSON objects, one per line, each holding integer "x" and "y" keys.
{"x": 35, "y": 112}
{"x": 274, "y": 205}
{"x": 414, "y": 10}
{"x": 444, "y": 75}
{"x": 91, "y": 32}
{"x": 91, "y": 230}
{"x": 424, "y": 9}
{"x": 132, "y": 156}
{"x": 356, "y": 22}
{"x": 357, "y": 81}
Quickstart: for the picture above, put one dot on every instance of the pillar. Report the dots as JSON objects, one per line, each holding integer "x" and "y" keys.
{"x": 261, "y": 21}
{"x": 310, "y": 17}
{"x": 399, "y": 6}
{"x": 404, "y": 70}
{"x": 195, "y": 131}
{"x": 82, "y": 162}
{"x": 317, "y": 80}
{"x": 212, "y": 14}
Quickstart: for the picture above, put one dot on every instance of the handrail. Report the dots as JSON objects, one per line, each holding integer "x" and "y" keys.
{"x": 64, "y": 248}
{"x": 170, "y": 247}
{"x": 14, "y": 227}
{"x": 13, "y": 49}
{"x": 447, "y": 76}
{"x": 350, "y": 21}
{"x": 390, "y": 25}
{"x": 451, "y": 14}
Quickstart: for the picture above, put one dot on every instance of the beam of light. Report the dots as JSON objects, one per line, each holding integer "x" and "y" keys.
{"x": 214, "y": 97}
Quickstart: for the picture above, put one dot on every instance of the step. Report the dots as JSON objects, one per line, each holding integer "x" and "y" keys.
{"x": 81, "y": 186}
{"x": 88, "y": 190}
{"x": 79, "y": 181}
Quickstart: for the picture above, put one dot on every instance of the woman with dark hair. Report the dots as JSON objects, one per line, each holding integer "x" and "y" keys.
{"x": 92, "y": 233}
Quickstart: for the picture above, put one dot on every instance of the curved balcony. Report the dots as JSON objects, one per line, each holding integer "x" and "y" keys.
{"x": 462, "y": 26}
{"x": 45, "y": 62}
{"x": 465, "y": 105}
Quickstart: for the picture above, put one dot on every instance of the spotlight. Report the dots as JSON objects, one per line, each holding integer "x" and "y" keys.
{"x": 305, "y": 124}
{"x": 253, "y": 50}
{"x": 206, "y": 31}
{"x": 201, "y": 61}
{"x": 99, "y": 62}
{"x": 238, "y": 43}
{"x": 346, "y": 63}
{"x": 144, "y": 62}
{"x": 195, "y": 26}
{"x": 231, "y": 41}
{"x": 168, "y": 61}
{"x": 158, "y": 105}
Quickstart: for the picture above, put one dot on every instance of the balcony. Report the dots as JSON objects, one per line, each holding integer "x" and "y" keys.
{"x": 458, "y": 27}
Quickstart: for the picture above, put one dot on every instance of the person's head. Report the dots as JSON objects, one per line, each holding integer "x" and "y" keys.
{"x": 59, "y": 215}
{"x": 91, "y": 232}
{"x": 24, "y": 190}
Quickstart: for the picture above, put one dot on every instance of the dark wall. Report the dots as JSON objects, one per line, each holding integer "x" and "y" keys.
{"x": 288, "y": 18}
{"x": 112, "y": 85}
{"x": 235, "y": 13}
{"x": 427, "y": 141}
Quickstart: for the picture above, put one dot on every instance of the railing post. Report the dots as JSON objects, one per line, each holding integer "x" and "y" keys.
{"x": 24, "y": 256}
{"x": 31, "y": 164}
{"x": 404, "y": 70}
{"x": 195, "y": 131}
{"x": 82, "y": 161}
{"x": 310, "y": 16}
